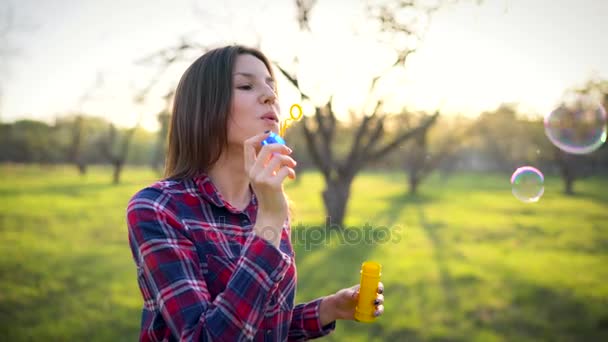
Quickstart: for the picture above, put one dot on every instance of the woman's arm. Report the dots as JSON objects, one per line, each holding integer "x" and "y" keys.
{"x": 319, "y": 317}
{"x": 311, "y": 320}
{"x": 170, "y": 266}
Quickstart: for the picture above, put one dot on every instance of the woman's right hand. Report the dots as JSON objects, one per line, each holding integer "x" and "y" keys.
{"x": 267, "y": 167}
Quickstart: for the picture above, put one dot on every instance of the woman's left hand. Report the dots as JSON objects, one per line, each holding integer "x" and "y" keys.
{"x": 342, "y": 304}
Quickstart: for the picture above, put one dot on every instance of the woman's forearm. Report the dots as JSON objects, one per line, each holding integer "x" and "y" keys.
{"x": 326, "y": 311}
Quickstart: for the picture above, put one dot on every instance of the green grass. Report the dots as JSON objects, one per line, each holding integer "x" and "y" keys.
{"x": 462, "y": 261}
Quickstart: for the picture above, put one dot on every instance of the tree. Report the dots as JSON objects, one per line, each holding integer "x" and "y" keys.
{"x": 115, "y": 147}
{"x": 369, "y": 142}
{"x": 77, "y": 143}
{"x": 574, "y": 166}
{"x": 27, "y": 141}
{"x": 76, "y": 148}
{"x": 421, "y": 160}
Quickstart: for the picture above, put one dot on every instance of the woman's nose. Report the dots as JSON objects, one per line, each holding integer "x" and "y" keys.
{"x": 268, "y": 97}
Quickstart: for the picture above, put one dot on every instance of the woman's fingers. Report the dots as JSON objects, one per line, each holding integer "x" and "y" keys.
{"x": 261, "y": 160}
{"x": 271, "y": 165}
{"x": 379, "y": 302}
{"x": 379, "y": 299}
{"x": 282, "y": 173}
{"x": 271, "y": 150}
{"x": 355, "y": 291}
{"x": 276, "y": 162}
{"x": 379, "y": 310}
{"x": 251, "y": 147}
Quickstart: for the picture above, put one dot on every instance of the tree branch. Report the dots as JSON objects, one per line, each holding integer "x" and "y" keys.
{"x": 293, "y": 80}
{"x": 381, "y": 152}
{"x": 312, "y": 148}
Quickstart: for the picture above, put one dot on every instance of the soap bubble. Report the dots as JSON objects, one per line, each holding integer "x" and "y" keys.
{"x": 578, "y": 127}
{"x": 527, "y": 184}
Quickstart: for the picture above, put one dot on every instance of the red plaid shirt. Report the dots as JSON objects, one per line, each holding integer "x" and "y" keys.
{"x": 205, "y": 276}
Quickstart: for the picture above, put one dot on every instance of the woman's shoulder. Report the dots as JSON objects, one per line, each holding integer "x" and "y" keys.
{"x": 160, "y": 191}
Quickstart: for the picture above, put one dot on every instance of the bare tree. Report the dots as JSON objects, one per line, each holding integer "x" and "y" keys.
{"x": 369, "y": 143}
{"x": 76, "y": 147}
{"x": 114, "y": 148}
{"x": 77, "y": 144}
{"x": 304, "y": 7}
{"x": 367, "y": 147}
{"x": 421, "y": 161}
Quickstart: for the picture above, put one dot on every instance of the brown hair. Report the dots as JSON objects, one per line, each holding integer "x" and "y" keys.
{"x": 198, "y": 131}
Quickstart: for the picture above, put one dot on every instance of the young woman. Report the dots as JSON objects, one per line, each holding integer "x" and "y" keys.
{"x": 212, "y": 240}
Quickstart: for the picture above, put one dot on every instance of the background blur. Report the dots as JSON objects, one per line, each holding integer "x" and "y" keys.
{"x": 416, "y": 115}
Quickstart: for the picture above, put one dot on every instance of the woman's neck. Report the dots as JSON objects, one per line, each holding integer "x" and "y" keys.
{"x": 228, "y": 175}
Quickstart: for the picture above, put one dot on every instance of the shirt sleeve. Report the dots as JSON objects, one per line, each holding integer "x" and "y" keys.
{"x": 306, "y": 322}
{"x": 170, "y": 266}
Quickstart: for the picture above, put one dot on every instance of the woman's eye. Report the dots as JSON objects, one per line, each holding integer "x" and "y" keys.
{"x": 245, "y": 87}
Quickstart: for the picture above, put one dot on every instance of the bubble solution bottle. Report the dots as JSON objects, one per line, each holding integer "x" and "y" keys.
{"x": 370, "y": 276}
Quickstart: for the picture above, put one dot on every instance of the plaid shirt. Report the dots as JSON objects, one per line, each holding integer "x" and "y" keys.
{"x": 205, "y": 276}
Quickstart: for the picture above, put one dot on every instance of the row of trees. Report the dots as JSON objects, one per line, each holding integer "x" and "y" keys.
{"x": 496, "y": 141}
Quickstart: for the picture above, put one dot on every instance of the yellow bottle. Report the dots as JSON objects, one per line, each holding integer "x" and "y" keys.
{"x": 370, "y": 276}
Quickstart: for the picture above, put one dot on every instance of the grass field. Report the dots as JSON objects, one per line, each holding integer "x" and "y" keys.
{"x": 463, "y": 261}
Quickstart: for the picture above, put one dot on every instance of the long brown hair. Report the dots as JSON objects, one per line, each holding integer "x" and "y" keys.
{"x": 198, "y": 131}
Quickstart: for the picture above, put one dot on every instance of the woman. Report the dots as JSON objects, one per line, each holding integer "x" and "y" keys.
{"x": 212, "y": 240}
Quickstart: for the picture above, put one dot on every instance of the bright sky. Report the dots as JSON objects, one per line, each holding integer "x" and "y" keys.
{"x": 473, "y": 57}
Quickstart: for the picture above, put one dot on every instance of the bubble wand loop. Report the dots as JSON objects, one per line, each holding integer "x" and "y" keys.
{"x": 288, "y": 122}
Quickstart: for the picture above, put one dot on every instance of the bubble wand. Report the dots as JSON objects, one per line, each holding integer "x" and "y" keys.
{"x": 278, "y": 138}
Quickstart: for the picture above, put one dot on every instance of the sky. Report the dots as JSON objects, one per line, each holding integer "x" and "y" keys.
{"x": 81, "y": 55}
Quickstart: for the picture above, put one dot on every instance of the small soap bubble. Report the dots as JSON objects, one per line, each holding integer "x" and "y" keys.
{"x": 527, "y": 184}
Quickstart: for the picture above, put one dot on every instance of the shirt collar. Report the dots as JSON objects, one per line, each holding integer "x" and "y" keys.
{"x": 210, "y": 192}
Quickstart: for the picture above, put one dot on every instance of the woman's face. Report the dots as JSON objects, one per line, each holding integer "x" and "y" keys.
{"x": 254, "y": 107}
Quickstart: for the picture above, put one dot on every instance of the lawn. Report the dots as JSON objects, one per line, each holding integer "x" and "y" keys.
{"x": 462, "y": 261}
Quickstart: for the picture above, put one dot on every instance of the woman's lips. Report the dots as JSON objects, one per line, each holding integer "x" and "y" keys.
{"x": 270, "y": 121}
{"x": 271, "y": 116}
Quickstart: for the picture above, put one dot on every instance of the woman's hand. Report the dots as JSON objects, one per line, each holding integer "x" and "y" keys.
{"x": 342, "y": 304}
{"x": 267, "y": 170}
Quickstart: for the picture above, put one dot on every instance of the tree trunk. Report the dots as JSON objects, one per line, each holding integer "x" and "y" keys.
{"x": 567, "y": 169}
{"x": 414, "y": 181}
{"x": 335, "y": 197}
{"x": 117, "y": 172}
{"x": 569, "y": 185}
{"x": 82, "y": 168}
